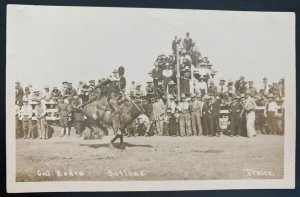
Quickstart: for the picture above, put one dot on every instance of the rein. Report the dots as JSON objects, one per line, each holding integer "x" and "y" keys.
{"x": 141, "y": 110}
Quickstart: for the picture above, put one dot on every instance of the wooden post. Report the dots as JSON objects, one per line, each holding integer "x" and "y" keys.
{"x": 178, "y": 71}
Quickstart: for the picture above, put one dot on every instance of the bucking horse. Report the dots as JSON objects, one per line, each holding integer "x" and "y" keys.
{"x": 99, "y": 114}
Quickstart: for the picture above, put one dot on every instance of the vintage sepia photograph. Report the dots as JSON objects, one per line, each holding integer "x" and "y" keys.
{"x": 130, "y": 99}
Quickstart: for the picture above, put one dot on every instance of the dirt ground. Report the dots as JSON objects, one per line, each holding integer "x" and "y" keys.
{"x": 150, "y": 158}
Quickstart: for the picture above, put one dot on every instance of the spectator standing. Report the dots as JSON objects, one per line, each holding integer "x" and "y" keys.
{"x": 64, "y": 110}
{"x": 27, "y": 95}
{"x": 19, "y": 93}
{"x": 271, "y": 113}
{"x": 235, "y": 111}
{"x": 26, "y": 117}
{"x": 187, "y": 42}
{"x": 159, "y": 109}
{"x": 251, "y": 89}
{"x": 78, "y": 115}
{"x": 19, "y": 132}
{"x": 205, "y": 115}
{"x": 46, "y": 94}
{"x": 174, "y": 45}
{"x": 40, "y": 112}
{"x": 249, "y": 108}
{"x": 195, "y": 108}
{"x": 149, "y": 90}
{"x": 214, "y": 110}
{"x": 184, "y": 117}
{"x": 167, "y": 76}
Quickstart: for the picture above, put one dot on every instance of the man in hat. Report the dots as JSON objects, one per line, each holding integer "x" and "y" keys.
{"x": 19, "y": 132}
{"x": 235, "y": 109}
{"x": 27, "y": 95}
{"x": 271, "y": 114}
{"x": 55, "y": 94}
{"x": 94, "y": 92}
{"x": 64, "y": 88}
{"x": 63, "y": 111}
{"x": 230, "y": 88}
{"x": 70, "y": 93}
{"x": 159, "y": 109}
{"x": 85, "y": 93}
{"x": 260, "y": 118}
{"x": 36, "y": 95}
{"x": 184, "y": 117}
{"x": 185, "y": 81}
{"x": 172, "y": 88}
{"x": 265, "y": 85}
{"x": 240, "y": 85}
{"x": 79, "y": 87}
{"x": 26, "y": 117}
{"x": 138, "y": 93}
{"x": 251, "y": 89}
{"x": 160, "y": 92}
{"x": 132, "y": 88}
{"x": 78, "y": 115}
{"x": 222, "y": 89}
{"x": 195, "y": 108}
{"x": 195, "y": 54}
{"x": 117, "y": 90}
{"x": 212, "y": 89}
{"x": 167, "y": 75}
{"x": 172, "y": 105}
{"x": 114, "y": 91}
{"x": 157, "y": 76}
{"x": 201, "y": 86}
{"x": 205, "y": 115}
{"x": 174, "y": 45}
{"x": 19, "y": 93}
{"x": 92, "y": 83}
{"x": 275, "y": 90}
{"x": 213, "y": 116}
{"x": 149, "y": 90}
{"x": 187, "y": 42}
{"x": 166, "y": 123}
{"x": 46, "y": 93}
{"x": 281, "y": 87}
{"x": 40, "y": 112}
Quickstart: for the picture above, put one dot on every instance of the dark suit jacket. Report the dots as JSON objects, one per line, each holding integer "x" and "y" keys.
{"x": 188, "y": 43}
{"x": 157, "y": 74}
{"x": 215, "y": 108}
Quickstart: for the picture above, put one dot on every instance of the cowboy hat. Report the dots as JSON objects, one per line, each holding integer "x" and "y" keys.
{"x": 171, "y": 82}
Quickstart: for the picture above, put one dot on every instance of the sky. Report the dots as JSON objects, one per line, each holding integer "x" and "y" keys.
{"x": 47, "y": 45}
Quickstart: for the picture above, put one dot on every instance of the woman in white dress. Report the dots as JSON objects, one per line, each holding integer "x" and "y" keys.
{"x": 249, "y": 107}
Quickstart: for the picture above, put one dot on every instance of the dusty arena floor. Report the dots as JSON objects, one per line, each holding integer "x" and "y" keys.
{"x": 150, "y": 158}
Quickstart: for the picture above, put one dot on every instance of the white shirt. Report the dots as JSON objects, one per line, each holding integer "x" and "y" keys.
{"x": 43, "y": 108}
{"x": 46, "y": 95}
{"x": 272, "y": 106}
{"x": 202, "y": 85}
{"x": 26, "y": 110}
{"x": 167, "y": 73}
{"x": 27, "y": 96}
{"x": 183, "y": 106}
{"x": 172, "y": 106}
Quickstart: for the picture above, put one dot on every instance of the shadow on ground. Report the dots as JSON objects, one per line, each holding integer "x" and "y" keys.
{"x": 116, "y": 145}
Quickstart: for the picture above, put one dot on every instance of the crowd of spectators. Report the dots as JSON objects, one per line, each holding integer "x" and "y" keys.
{"x": 196, "y": 109}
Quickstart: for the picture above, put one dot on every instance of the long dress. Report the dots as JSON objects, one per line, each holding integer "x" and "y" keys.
{"x": 250, "y": 117}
